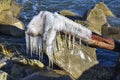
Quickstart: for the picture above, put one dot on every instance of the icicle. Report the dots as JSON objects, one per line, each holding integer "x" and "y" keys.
{"x": 73, "y": 42}
{"x": 36, "y": 45}
{"x": 65, "y": 37}
{"x": 50, "y": 55}
{"x": 57, "y": 43}
{"x": 27, "y": 43}
{"x": 31, "y": 45}
{"x": 40, "y": 48}
{"x": 51, "y": 36}
{"x": 69, "y": 42}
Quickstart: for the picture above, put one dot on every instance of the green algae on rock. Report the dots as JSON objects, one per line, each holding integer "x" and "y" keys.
{"x": 67, "y": 13}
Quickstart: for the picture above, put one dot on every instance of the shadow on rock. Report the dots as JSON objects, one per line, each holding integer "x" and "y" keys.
{"x": 10, "y": 30}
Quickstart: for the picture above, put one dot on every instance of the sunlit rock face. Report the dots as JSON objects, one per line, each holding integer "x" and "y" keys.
{"x": 61, "y": 39}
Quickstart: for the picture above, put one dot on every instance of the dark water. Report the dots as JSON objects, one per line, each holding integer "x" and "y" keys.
{"x": 33, "y": 7}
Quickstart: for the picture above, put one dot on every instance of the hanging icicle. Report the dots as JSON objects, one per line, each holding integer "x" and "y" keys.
{"x": 73, "y": 42}
{"x": 40, "y": 48}
{"x": 27, "y": 43}
{"x": 69, "y": 41}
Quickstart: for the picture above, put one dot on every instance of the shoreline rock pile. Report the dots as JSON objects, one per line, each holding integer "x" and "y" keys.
{"x": 16, "y": 65}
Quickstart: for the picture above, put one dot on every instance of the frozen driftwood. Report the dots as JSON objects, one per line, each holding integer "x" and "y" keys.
{"x": 61, "y": 39}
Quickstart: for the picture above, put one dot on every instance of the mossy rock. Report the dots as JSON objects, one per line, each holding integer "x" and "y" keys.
{"x": 30, "y": 62}
{"x": 105, "y": 9}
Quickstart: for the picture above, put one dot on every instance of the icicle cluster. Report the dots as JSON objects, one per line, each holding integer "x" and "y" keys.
{"x": 34, "y": 46}
{"x": 42, "y": 31}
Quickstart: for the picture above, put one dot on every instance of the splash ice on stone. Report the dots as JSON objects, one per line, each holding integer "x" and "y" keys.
{"x": 47, "y": 25}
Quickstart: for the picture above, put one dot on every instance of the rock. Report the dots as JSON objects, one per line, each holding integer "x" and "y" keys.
{"x": 96, "y": 72}
{"x": 5, "y": 76}
{"x": 46, "y": 75}
{"x": 96, "y": 19}
{"x": 3, "y": 61}
{"x": 2, "y": 64}
{"x": 67, "y": 13}
{"x": 6, "y": 52}
{"x": 68, "y": 52}
{"x": 105, "y": 9}
{"x": 15, "y": 9}
{"x": 12, "y": 30}
{"x": 17, "y": 71}
{"x": 30, "y": 62}
{"x": 114, "y": 30}
{"x": 9, "y": 12}
{"x": 71, "y": 15}
{"x": 117, "y": 36}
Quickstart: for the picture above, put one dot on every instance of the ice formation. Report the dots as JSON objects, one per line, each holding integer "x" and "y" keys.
{"x": 42, "y": 31}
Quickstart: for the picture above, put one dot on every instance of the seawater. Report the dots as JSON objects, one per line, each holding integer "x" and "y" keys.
{"x": 33, "y": 7}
